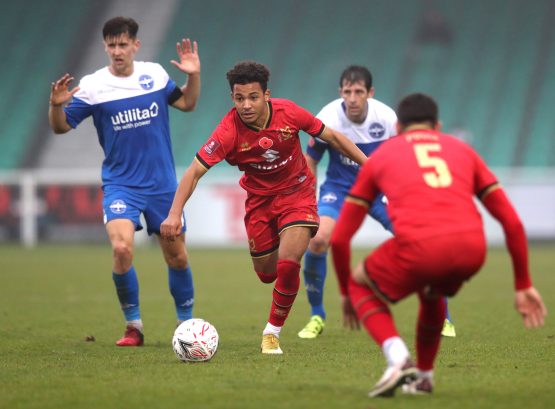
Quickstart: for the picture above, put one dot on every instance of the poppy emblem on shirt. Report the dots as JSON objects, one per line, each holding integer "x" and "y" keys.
{"x": 146, "y": 82}
{"x": 266, "y": 143}
{"x": 211, "y": 146}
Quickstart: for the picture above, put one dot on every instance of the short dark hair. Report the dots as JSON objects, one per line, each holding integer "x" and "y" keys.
{"x": 245, "y": 72}
{"x": 356, "y": 73}
{"x": 417, "y": 108}
{"x": 120, "y": 25}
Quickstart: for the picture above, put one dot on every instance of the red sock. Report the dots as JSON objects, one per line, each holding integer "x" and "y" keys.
{"x": 373, "y": 313}
{"x": 428, "y": 331}
{"x": 285, "y": 291}
{"x": 267, "y": 278}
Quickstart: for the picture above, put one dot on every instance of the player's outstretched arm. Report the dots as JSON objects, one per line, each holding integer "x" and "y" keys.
{"x": 341, "y": 143}
{"x": 528, "y": 301}
{"x": 350, "y": 319}
{"x": 350, "y": 219}
{"x": 171, "y": 227}
{"x": 497, "y": 203}
{"x": 59, "y": 95}
{"x": 189, "y": 63}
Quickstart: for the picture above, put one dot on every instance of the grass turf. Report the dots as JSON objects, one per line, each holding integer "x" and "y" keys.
{"x": 52, "y": 298}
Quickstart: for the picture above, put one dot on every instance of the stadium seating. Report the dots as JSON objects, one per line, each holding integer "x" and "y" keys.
{"x": 492, "y": 76}
{"x": 305, "y": 50}
{"x": 36, "y": 43}
{"x": 537, "y": 135}
{"x": 483, "y": 76}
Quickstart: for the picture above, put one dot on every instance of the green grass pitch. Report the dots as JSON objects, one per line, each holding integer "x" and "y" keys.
{"x": 52, "y": 298}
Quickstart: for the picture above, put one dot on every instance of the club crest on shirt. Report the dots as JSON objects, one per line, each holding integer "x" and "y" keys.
{"x": 285, "y": 134}
{"x": 146, "y": 82}
{"x": 265, "y": 143}
{"x": 376, "y": 130}
{"x": 211, "y": 146}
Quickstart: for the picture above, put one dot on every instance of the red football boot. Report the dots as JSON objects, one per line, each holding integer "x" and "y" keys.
{"x": 132, "y": 338}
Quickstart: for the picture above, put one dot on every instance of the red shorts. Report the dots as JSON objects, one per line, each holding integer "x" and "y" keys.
{"x": 438, "y": 264}
{"x": 267, "y": 216}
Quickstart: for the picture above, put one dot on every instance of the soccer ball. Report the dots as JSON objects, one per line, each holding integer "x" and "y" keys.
{"x": 195, "y": 340}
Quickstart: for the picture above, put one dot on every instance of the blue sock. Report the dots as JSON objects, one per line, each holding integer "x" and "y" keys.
{"x": 127, "y": 288}
{"x": 315, "y": 269}
{"x": 447, "y": 314}
{"x": 182, "y": 290}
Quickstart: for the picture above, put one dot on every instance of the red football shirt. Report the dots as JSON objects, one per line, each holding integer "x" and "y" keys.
{"x": 430, "y": 180}
{"x": 272, "y": 158}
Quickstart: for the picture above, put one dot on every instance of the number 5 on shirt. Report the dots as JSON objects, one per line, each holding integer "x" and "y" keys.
{"x": 440, "y": 176}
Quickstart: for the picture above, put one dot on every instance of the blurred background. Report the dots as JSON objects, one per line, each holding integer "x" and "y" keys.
{"x": 489, "y": 64}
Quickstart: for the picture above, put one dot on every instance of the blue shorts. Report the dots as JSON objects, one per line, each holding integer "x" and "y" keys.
{"x": 332, "y": 198}
{"x": 120, "y": 204}
{"x": 330, "y": 201}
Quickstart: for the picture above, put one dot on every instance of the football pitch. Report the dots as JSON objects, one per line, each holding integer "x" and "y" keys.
{"x": 59, "y": 319}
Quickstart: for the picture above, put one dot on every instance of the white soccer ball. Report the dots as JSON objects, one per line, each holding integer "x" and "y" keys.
{"x": 195, "y": 340}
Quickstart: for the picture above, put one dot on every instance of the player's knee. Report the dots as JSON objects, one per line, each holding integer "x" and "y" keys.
{"x": 267, "y": 278}
{"x": 319, "y": 244}
{"x": 359, "y": 275}
{"x": 365, "y": 301}
{"x": 177, "y": 261}
{"x": 122, "y": 252}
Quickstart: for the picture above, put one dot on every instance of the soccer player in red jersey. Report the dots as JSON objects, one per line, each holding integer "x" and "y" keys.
{"x": 260, "y": 135}
{"x": 430, "y": 180}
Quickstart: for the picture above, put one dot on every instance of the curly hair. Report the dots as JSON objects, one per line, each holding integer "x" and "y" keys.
{"x": 246, "y": 72}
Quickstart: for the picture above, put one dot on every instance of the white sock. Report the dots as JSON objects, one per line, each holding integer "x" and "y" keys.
{"x": 395, "y": 351}
{"x": 137, "y": 324}
{"x": 426, "y": 374}
{"x": 271, "y": 329}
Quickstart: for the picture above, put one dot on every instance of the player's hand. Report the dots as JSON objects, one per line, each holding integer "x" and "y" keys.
{"x": 350, "y": 319}
{"x": 60, "y": 92}
{"x": 171, "y": 227}
{"x": 530, "y": 305}
{"x": 189, "y": 61}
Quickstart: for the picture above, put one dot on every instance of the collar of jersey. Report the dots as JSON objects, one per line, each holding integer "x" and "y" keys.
{"x": 268, "y": 120}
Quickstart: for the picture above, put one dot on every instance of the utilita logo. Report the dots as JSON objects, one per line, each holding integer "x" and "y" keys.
{"x": 133, "y": 118}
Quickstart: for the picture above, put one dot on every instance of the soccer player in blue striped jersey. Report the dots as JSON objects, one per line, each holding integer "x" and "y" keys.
{"x": 128, "y": 101}
{"x": 367, "y": 122}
